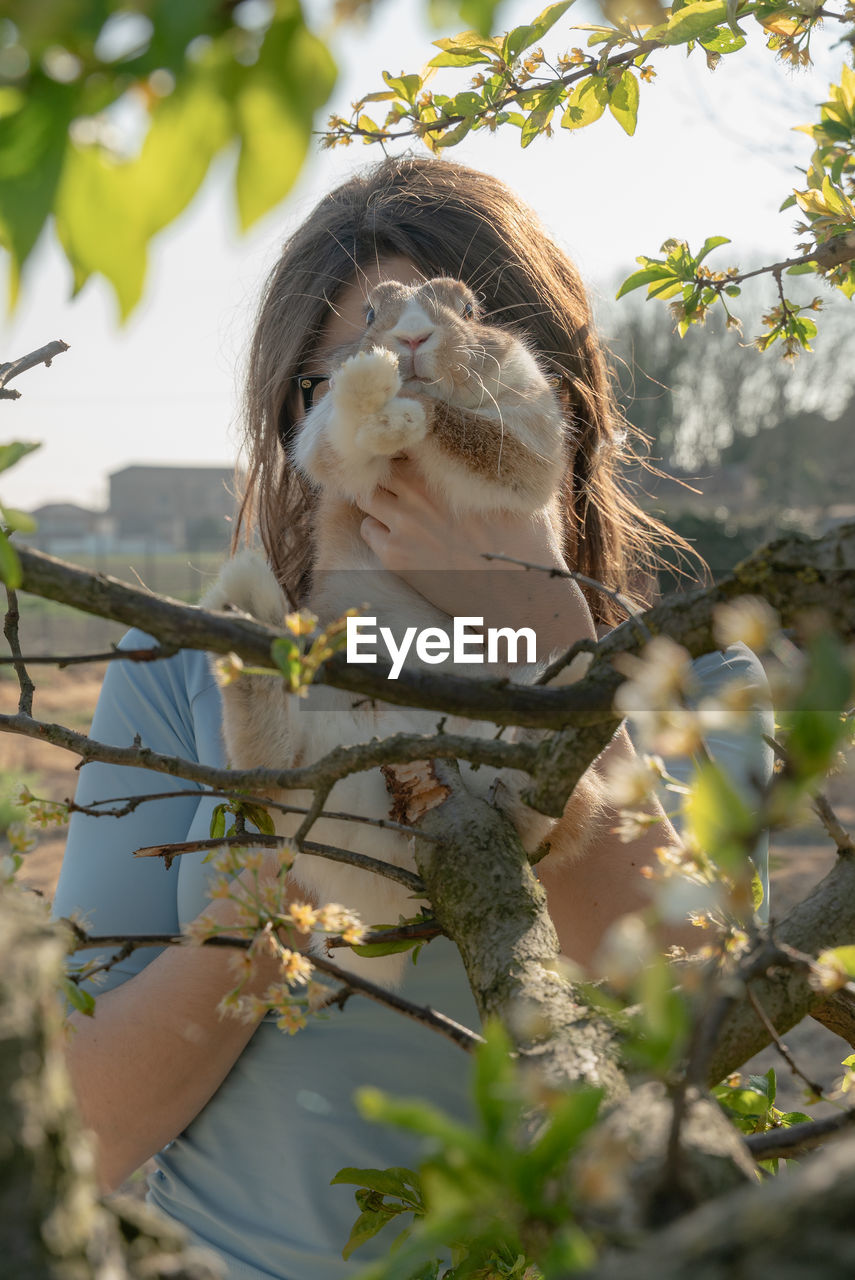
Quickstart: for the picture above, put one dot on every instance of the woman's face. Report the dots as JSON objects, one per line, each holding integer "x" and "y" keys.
{"x": 346, "y": 322}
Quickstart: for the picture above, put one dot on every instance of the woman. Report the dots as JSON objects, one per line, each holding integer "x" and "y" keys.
{"x": 259, "y": 1123}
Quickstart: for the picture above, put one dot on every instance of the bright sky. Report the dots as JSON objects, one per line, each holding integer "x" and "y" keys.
{"x": 712, "y": 155}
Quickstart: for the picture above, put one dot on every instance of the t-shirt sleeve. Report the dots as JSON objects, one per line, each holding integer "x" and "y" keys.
{"x": 101, "y": 884}
{"x": 738, "y": 746}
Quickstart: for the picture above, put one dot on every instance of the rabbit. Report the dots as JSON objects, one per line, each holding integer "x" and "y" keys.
{"x": 469, "y": 403}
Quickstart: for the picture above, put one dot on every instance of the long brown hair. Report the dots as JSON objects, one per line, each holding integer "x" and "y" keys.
{"x": 448, "y": 220}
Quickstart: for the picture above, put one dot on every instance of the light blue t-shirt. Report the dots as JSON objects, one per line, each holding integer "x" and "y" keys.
{"x": 249, "y": 1176}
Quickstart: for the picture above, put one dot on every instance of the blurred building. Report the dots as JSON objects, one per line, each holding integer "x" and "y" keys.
{"x": 153, "y": 510}
{"x": 186, "y": 508}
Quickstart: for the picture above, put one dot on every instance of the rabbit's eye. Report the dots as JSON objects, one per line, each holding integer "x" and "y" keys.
{"x": 468, "y": 311}
{"x": 370, "y": 315}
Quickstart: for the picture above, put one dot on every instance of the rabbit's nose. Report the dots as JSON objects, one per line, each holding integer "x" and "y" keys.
{"x": 414, "y": 342}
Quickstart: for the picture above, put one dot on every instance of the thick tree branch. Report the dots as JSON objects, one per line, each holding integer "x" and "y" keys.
{"x": 786, "y": 992}
{"x": 793, "y": 1228}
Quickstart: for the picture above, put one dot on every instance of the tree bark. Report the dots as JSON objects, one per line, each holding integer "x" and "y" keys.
{"x": 796, "y": 1227}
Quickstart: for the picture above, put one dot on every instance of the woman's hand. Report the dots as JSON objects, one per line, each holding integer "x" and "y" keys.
{"x": 417, "y": 536}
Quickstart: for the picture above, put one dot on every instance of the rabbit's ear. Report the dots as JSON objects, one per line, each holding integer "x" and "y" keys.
{"x": 248, "y": 583}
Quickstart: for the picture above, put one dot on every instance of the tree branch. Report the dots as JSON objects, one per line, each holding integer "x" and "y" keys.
{"x": 452, "y": 1030}
{"x": 255, "y": 840}
{"x": 10, "y": 631}
{"x": 787, "y": 991}
{"x": 338, "y": 764}
{"x": 797, "y": 1139}
{"x": 12, "y": 368}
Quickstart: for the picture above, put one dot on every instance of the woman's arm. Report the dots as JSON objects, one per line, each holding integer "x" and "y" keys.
{"x": 157, "y": 1050}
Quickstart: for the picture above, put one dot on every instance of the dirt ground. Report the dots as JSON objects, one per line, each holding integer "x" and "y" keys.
{"x": 799, "y": 858}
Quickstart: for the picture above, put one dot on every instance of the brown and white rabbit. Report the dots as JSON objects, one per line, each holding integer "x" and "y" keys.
{"x": 470, "y": 405}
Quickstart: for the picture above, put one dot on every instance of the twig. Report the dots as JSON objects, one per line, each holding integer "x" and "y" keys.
{"x": 797, "y": 1139}
{"x": 454, "y": 1031}
{"x": 12, "y": 368}
{"x": 816, "y": 1089}
{"x": 585, "y": 645}
{"x": 131, "y": 803}
{"x": 253, "y": 840}
{"x": 832, "y": 823}
{"x": 154, "y": 654}
{"x": 10, "y": 631}
{"x": 630, "y": 608}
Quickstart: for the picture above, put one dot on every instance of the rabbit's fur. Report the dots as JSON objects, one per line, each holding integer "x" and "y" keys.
{"x": 472, "y": 407}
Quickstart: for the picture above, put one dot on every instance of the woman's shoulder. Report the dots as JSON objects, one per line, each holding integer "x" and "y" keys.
{"x": 160, "y": 700}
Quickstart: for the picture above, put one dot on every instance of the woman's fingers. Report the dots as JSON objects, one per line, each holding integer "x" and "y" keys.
{"x": 375, "y": 534}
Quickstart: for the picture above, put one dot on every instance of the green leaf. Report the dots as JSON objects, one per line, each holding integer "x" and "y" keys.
{"x": 586, "y": 103}
{"x": 467, "y": 49}
{"x": 283, "y": 650}
{"x": 757, "y": 894}
{"x": 788, "y": 1118}
{"x": 724, "y": 41}
{"x": 77, "y": 997}
{"x": 571, "y": 1117}
{"x": 692, "y": 21}
{"x": 385, "y": 948}
{"x": 258, "y": 816}
{"x": 14, "y": 452}
{"x": 840, "y": 958}
{"x": 541, "y": 108}
{"x": 364, "y": 1228}
{"x": 452, "y": 136}
{"x": 17, "y": 521}
{"x": 667, "y": 289}
{"x": 416, "y": 1116}
{"x": 720, "y": 819}
{"x": 405, "y": 87}
{"x": 623, "y": 102}
{"x": 494, "y": 1083}
{"x": 275, "y": 109}
{"x": 744, "y": 1102}
{"x": 10, "y": 565}
{"x": 547, "y": 19}
{"x": 101, "y": 223}
{"x": 522, "y": 37}
{"x": 814, "y": 724}
{"x": 643, "y": 277}
{"x": 711, "y": 242}
{"x": 462, "y": 58}
{"x": 801, "y": 268}
{"x": 480, "y": 14}
{"x": 396, "y": 1181}
{"x": 765, "y": 1084}
{"x": 218, "y": 822}
{"x": 33, "y": 141}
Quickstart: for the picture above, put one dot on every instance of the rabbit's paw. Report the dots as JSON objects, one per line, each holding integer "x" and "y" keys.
{"x": 401, "y": 425}
{"x": 248, "y": 583}
{"x": 366, "y": 382}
